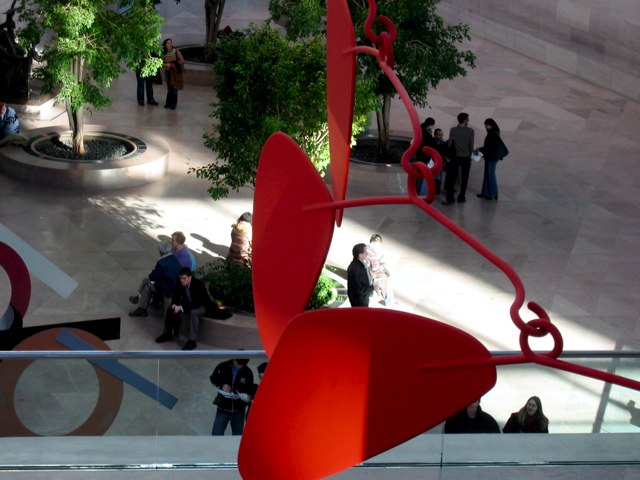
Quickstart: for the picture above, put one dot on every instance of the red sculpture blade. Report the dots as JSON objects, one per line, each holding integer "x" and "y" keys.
{"x": 344, "y": 385}
{"x": 290, "y": 244}
{"x": 20, "y": 281}
{"x": 341, "y": 74}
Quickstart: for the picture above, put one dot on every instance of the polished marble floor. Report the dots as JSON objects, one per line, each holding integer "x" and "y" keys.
{"x": 567, "y": 220}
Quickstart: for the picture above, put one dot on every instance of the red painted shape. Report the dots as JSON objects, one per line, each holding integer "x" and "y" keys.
{"x": 341, "y": 74}
{"x": 371, "y": 379}
{"x": 290, "y": 244}
{"x": 19, "y": 278}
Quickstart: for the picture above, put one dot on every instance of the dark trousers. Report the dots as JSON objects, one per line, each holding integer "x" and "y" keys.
{"x": 464, "y": 163}
{"x": 144, "y": 83}
{"x": 172, "y": 93}
{"x": 172, "y": 322}
{"x": 224, "y": 418}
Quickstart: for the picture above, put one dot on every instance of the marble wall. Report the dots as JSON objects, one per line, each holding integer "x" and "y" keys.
{"x": 597, "y": 40}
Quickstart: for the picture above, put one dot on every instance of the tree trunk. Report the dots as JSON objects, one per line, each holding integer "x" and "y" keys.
{"x": 76, "y": 118}
{"x": 213, "y": 13}
{"x": 383, "y": 117}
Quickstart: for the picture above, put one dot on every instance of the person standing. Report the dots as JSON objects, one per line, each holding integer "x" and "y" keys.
{"x": 441, "y": 147}
{"x": 231, "y": 378}
{"x": 145, "y": 84}
{"x": 529, "y": 419}
{"x": 378, "y": 271}
{"x": 471, "y": 420}
{"x": 461, "y": 138}
{"x": 492, "y": 150}
{"x": 358, "y": 283}
{"x": 427, "y": 141}
{"x": 173, "y": 70}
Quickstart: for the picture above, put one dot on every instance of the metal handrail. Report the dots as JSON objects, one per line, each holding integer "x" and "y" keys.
{"x": 159, "y": 354}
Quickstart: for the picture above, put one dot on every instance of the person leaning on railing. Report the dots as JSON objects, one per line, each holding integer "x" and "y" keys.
{"x": 529, "y": 419}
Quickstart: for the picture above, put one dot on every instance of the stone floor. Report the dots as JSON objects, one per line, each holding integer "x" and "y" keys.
{"x": 567, "y": 220}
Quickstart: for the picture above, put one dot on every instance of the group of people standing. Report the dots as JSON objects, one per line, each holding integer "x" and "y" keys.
{"x": 529, "y": 419}
{"x": 173, "y": 67}
{"x": 456, "y": 155}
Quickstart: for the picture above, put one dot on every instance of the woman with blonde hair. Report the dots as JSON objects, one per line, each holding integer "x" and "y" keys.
{"x": 529, "y": 419}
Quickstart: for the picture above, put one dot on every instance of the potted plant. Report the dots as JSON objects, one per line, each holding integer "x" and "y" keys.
{"x": 267, "y": 84}
{"x": 84, "y": 48}
{"x": 426, "y": 49}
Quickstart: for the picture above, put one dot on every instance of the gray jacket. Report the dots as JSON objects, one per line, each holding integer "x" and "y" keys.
{"x": 463, "y": 139}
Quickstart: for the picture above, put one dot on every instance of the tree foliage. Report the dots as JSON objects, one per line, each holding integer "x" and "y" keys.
{"x": 265, "y": 84}
{"x": 426, "y": 50}
{"x": 85, "y": 43}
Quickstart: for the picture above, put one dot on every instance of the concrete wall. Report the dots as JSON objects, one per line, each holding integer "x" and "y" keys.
{"x": 597, "y": 40}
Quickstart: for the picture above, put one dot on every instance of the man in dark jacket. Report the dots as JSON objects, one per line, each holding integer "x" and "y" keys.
{"x": 234, "y": 381}
{"x": 191, "y": 299}
{"x": 358, "y": 282}
{"x": 161, "y": 281}
{"x": 462, "y": 138}
{"x": 471, "y": 420}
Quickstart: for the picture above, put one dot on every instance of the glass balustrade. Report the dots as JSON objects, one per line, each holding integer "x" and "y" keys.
{"x": 155, "y": 409}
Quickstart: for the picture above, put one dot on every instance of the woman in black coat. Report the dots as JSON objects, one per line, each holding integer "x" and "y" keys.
{"x": 491, "y": 151}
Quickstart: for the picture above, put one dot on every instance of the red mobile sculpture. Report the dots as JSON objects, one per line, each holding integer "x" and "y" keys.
{"x": 339, "y": 416}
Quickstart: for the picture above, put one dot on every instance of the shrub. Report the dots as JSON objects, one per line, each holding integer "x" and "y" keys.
{"x": 230, "y": 285}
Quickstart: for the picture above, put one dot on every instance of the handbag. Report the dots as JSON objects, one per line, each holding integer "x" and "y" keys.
{"x": 502, "y": 151}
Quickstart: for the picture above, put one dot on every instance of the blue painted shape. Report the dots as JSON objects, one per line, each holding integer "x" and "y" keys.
{"x": 115, "y": 368}
{"x": 38, "y": 265}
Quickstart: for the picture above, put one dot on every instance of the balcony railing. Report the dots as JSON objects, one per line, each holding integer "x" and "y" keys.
{"x": 153, "y": 409}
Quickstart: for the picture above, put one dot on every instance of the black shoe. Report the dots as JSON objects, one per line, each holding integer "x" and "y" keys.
{"x": 190, "y": 345}
{"x": 165, "y": 337}
{"x": 166, "y": 106}
{"x": 134, "y": 299}
{"x": 173, "y": 108}
{"x": 141, "y": 104}
{"x": 138, "y": 312}
{"x": 153, "y": 102}
{"x": 479, "y": 195}
{"x": 447, "y": 202}
{"x": 461, "y": 199}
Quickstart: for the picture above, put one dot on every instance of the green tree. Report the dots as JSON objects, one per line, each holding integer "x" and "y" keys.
{"x": 425, "y": 51}
{"x": 85, "y": 44}
{"x": 265, "y": 84}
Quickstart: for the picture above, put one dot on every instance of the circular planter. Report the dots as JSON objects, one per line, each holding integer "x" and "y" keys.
{"x": 366, "y": 150}
{"x": 144, "y": 162}
{"x": 197, "y": 72}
